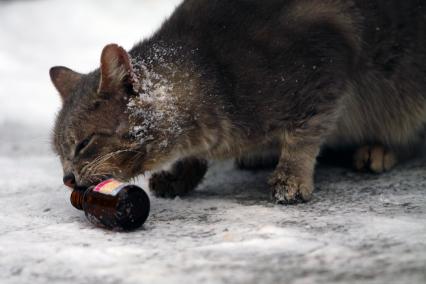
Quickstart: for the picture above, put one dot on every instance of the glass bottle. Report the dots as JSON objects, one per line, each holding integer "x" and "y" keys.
{"x": 113, "y": 204}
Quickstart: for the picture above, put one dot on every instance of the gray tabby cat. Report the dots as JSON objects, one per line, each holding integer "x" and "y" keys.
{"x": 244, "y": 79}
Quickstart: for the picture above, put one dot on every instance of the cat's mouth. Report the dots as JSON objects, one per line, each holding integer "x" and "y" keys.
{"x": 123, "y": 171}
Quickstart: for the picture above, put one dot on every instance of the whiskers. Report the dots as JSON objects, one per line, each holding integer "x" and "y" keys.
{"x": 103, "y": 166}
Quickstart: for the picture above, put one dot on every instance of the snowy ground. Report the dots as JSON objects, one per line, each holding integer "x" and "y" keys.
{"x": 359, "y": 228}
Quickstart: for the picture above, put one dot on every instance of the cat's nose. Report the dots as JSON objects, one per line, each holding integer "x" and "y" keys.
{"x": 69, "y": 180}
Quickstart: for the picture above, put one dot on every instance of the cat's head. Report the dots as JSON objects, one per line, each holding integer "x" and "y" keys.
{"x": 91, "y": 134}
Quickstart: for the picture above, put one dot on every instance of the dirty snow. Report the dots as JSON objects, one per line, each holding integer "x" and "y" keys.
{"x": 359, "y": 228}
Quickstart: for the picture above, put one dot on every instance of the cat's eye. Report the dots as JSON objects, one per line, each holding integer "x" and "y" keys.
{"x": 82, "y": 144}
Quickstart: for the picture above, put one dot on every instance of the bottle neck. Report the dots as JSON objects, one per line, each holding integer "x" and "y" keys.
{"x": 76, "y": 199}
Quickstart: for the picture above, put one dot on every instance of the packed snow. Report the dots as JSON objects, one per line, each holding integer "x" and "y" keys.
{"x": 359, "y": 228}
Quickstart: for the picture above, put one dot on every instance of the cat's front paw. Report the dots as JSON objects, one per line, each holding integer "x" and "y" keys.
{"x": 184, "y": 177}
{"x": 289, "y": 189}
{"x": 165, "y": 184}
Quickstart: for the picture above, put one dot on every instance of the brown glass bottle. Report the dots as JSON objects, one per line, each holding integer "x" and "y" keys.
{"x": 113, "y": 205}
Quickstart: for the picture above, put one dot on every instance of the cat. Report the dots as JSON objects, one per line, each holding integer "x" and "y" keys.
{"x": 243, "y": 79}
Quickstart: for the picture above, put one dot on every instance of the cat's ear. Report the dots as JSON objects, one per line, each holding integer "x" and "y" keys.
{"x": 64, "y": 80}
{"x": 116, "y": 69}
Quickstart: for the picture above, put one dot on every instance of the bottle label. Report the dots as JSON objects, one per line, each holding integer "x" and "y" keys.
{"x": 109, "y": 187}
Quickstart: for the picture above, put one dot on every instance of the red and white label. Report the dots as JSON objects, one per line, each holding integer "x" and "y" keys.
{"x": 109, "y": 187}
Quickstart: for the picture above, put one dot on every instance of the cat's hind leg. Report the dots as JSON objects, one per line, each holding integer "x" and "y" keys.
{"x": 374, "y": 158}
